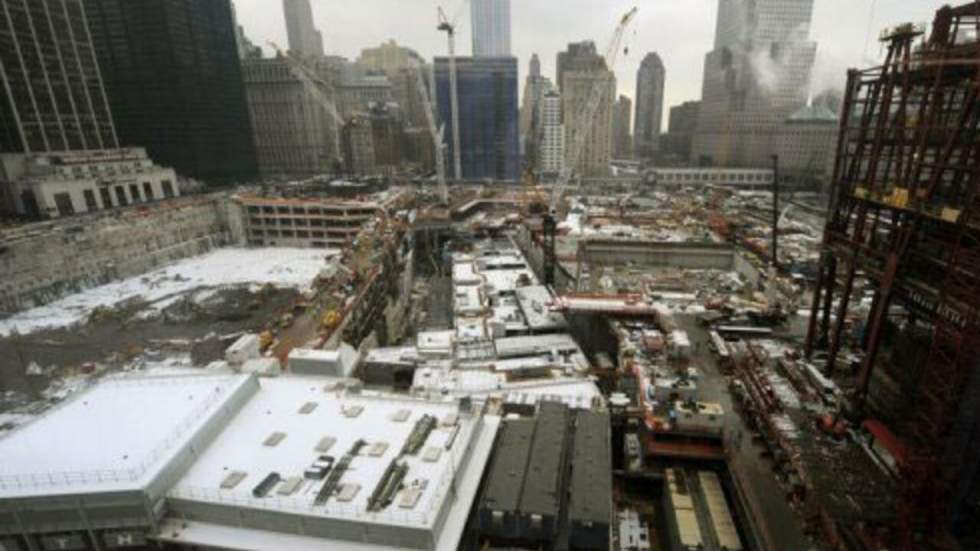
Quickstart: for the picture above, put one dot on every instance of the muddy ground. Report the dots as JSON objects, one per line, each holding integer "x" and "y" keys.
{"x": 114, "y": 336}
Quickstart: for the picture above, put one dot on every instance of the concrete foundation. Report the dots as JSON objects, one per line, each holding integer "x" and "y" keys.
{"x": 40, "y": 263}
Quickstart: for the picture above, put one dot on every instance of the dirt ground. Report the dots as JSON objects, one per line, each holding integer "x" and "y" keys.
{"x": 112, "y": 337}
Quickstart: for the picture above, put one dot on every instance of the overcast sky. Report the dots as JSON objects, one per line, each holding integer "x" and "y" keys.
{"x": 682, "y": 31}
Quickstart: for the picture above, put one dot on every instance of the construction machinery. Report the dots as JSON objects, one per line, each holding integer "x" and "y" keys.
{"x": 449, "y": 28}
{"x": 436, "y": 131}
{"x": 574, "y": 152}
{"x": 318, "y": 88}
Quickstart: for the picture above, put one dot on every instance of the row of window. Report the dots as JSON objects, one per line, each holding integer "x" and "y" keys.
{"x": 310, "y": 211}
{"x": 117, "y": 197}
{"x": 715, "y": 177}
{"x": 315, "y": 222}
{"x": 299, "y": 234}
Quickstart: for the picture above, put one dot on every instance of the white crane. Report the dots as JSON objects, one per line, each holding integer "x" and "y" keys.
{"x": 574, "y": 152}
{"x": 437, "y": 134}
{"x": 316, "y": 86}
{"x": 450, "y": 29}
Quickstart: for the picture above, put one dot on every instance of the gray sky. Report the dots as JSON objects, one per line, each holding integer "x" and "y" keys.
{"x": 682, "y": 31}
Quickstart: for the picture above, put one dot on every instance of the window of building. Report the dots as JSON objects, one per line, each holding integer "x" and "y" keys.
{"x": 90, "y": 203}
{"x": 168, "y": 189}
{"x": 63, "y": 202}
{"x": 148, "y": 191}
{"x": 121, "y": 196}
{"x": 134, "y": 192}
{"x": 106, "y": 198}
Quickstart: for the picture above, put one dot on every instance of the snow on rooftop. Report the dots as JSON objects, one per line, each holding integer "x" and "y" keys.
{"x": 116, "y": 435}
{"x": 286, "y": 267}
{"x": 278, "y": 407}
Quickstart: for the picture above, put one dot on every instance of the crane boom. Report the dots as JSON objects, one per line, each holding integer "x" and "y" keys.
{"x": 587, "y": 117}
{"x": 450, "y": 30}
{"x": 316, "y": 86}
{"x": 549, "y": 223}
{"x": 436, "y": 132}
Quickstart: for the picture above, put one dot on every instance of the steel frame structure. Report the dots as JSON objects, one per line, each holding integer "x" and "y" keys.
{"x": 905, "y": 216}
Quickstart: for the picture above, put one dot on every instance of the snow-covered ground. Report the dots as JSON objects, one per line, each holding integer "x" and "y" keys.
{"x": 231, "y": 267}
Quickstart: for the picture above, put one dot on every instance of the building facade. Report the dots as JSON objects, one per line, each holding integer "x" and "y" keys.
{"x": 389, "y": 58}
{"x": 174, "y": 83}
{"x": 756, "y": 76}
{"x": 294, "y": 133}
{"x": 552, "y": 156}
{"x": 53, "y": 185}
{"x": 622, "y": 137}
{"x": 535, "y": 87}
{"x": 488, "y": 116}
{"x": 581, "y": 56}
{"x": 681, "y": 127}
{"x": 807, "y": 145}
{"x": 650, "y": 79}
{"x": 52, "y": 96}
{"x": 304, "y": 38}
{"x": 490, "y": 24}
{"x": 373, "y": 141}
{"x": 577, "y": 89}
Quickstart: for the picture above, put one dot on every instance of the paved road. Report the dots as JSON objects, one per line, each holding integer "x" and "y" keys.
{"x": 781, "y": 523}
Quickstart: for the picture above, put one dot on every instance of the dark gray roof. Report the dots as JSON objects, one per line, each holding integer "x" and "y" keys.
{"x": 542, "y": 493}
{"x": 509, "y": 466}
{"x": 591, "y": 485}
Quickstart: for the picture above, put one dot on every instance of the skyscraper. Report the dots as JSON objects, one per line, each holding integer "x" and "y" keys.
{"x": 755, "y": 77}
{"x": 535, "y": 86}
{"x": 490, "y": 22}
{"x": 174, "y": 83}
{"x": 488, "y": 125}
{"x": 552, "y": 151}
{"x": 622, "y": 137}
{"x": 51, "y": 93}
{"x": 680, "y": 130}
{"x": 576, "y": 92}
{"x": 578, "y": 56}
{"x": 650, "y": 79}
{"x": 304, "y": 39}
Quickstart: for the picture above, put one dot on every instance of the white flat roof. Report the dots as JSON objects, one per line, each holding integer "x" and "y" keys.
{"x": 116, "y": 435}
{"x": 534, "y": 301}
{"x": 276, "y": 408}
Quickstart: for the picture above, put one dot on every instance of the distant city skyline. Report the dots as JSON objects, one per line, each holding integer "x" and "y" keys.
{"x": 682, "y": 43}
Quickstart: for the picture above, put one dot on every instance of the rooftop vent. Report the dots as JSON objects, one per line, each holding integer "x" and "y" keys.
{"x": 307, "y": 408}
{"x": 273, "y": 439}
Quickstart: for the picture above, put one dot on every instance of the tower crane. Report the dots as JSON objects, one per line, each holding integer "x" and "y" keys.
{"x": 574, "y": 152}
{"x": 449, "y": 27}
{"x": 437, "y": 133}
{"x": 317, "y": 87}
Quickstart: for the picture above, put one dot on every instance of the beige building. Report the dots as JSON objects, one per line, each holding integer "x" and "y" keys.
{"x": 576, "y": 92}
{"x": 389, "y": 58}
{"x": 52, "y": 185}
{"x": 294, "y": 134}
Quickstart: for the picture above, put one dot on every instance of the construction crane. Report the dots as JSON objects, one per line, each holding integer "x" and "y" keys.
{"x": 317, "y": 87}
{"x": 450, "y": 29}
{"x": 550, "y": 223}
{"x": 437, "y": 133}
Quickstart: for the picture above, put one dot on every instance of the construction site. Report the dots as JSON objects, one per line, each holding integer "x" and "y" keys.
{"x": 704, "y": 364}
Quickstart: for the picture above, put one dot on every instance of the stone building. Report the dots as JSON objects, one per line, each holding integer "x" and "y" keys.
{"x": 576, "y": 91}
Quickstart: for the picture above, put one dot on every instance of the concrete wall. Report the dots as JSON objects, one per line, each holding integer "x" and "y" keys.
{"x": 40, "y": 263}
{"x": 691, "y": 256}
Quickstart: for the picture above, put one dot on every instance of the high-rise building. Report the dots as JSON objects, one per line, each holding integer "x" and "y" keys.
{"x": 806, "y": 145}
{"x": 294, "y": 133}
{"x": 576, "y": 92}
{"x": 535, "y": 86}
{"x": 756, "y": 76}
{"x": 680, "y": 130}
{"x": 372, "y": 140}
{"x": 488, "y": 119}
{"x": 622, "y": 137}
{"x": 174, "y": 83}
{"x": 303, "y": 37}
{"x": 52, "y": 96}
{"x": 580, "y": 56}
{"x": 551, "y": 159}
{"x": 389, "y": 58}
{"x": 490, "y": 23}
{"x": 650, "y": 78}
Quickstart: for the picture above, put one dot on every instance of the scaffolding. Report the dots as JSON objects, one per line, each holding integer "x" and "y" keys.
{"x": 904, "y": 215}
